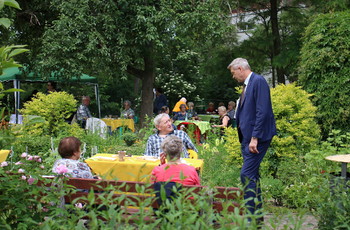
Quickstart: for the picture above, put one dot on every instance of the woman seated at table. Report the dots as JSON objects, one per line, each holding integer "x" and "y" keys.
{"x": 165, "y": 109}
{"x": 174, "y": 170}
{"x": 191, "y": 112}
{"x": 225, "y": 120}
{"x": 69, "y": 150}
{"x": 211, "y": 108}
{"x": 127, "y": 113}
{"x": 182, "y": 115}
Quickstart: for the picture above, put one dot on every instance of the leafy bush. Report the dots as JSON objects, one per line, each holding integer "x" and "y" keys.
{"x": 54, "y": 108}
{"x": 297, "y": 130}
{"x": 325, "y": 69}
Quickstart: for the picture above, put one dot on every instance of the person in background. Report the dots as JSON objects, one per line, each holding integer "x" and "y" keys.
{"x": 225, "y": 120}
{"x": 165, "y": 109}
{"x": 256, "y": 127}
{"x": 191, "y": 112}
{"x": 83, "y": 112}
{"x": 182, "y": 115}
{"x": 231, "y": 110}
{"x": 173, "y": 170}
{"x": 51, "y": 87}
{"x": 211, "y": 108}
{"x": 159, "y": 101}
{"x": 177, "y": 105}
{"x": 127, "y": 113}
{"x": 69, "y": 150}
{"x": 163, "y": 123}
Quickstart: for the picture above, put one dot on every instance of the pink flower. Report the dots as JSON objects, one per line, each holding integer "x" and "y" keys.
{"x": 44, "y": 209}
{"x": 79, "y": 205}
{"x": 38, "y": 160}
{"x": 20, "y": 170}
{"x": 61, "y": 169}
{"x": 3, "y": 164}
{"x": 42, "y": 166}
{"x": 31, "y": 180}
{"x": 29, "y": 158}
{"x": 24, "y": 155}
{"x": 18, "y": 163}
{"x": 24, "y": 178}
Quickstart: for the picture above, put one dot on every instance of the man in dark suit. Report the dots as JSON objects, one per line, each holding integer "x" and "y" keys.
{"x": 256, "y": 127}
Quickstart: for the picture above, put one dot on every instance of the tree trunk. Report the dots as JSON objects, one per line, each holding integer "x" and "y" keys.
{"x": 276, "y": 39}
{"x": 147, "y": 85}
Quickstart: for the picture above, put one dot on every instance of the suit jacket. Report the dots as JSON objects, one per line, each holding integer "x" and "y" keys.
{"x": 254, "y": 116}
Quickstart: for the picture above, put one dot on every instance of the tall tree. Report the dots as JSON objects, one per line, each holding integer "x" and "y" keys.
{"x": 121, "y": 38}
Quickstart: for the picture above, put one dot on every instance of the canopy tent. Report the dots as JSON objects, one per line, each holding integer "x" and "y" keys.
{"x": 17, "y": 75}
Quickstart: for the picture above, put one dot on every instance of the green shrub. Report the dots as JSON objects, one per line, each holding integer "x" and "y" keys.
{"x": 297, "y": 130}
{"x": 325, "y": 69}
{"x": 54, "y": 108}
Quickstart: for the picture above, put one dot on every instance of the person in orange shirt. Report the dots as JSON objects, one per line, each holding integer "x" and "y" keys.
{"x": 174, "y": 170}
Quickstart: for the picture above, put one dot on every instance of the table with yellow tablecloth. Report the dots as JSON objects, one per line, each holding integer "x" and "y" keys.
{"x": 115, "y": 123}
{"x": 4, "y": 154}
{"x": 135, "y": 168}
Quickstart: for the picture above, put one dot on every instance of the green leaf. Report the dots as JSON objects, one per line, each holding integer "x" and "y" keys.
{"x": 17, "y": 51}
{"x": 12, "y": 3}
{"x": 5, "y": 22}
{"x": 13, "y": 90}
{"x": 2, "y": 2}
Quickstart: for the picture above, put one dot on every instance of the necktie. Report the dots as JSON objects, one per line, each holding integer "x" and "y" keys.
{"x": 242, "y": 95}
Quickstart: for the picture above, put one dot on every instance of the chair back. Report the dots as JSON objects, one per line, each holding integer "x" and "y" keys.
{"x": 96, "y": 125}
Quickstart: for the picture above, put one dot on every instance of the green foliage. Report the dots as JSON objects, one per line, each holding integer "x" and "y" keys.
{"x": 6, "y": 56}
{"x": 325, "y": 67}
{"x": 233, "y": 146}
{"x": 53, "y": 108}
{"x": 24, "y": 204}
{"x": 129, "y": 138}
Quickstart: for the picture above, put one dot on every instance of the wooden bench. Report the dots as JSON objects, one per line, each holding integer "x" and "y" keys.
{"x": 131, "y": 195}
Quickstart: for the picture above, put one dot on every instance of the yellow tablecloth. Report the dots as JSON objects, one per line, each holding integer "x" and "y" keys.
{"x": 135, "y": 168}
{"x": 4, "y": 154}
{"x": 203, "y": 126}
{"x": 115, "y": 123}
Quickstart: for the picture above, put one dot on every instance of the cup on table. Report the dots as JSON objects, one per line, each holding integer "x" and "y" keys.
{"x": 121, "y": 155}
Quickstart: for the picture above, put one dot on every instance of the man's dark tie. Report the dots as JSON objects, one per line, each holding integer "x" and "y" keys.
{"x": 242, "y": 95}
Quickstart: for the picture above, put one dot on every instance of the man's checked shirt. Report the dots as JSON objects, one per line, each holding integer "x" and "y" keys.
{"x": 83, "y": 111}
{"x": 154, "y": 142}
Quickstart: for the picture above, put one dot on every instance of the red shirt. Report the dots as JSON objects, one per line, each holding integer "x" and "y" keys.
{"x": 179, "y": 173}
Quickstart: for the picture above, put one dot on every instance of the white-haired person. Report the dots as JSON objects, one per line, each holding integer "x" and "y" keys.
{"x": 127, "y": 113}
{"x": 165, "y": 128}
{"x": 173, "y": 170}
{"x": 225, "y": 120}
{"x": 83, "y": 112}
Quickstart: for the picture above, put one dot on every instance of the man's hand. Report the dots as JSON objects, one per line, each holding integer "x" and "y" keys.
{"x": 253, "y": 145}
{"x": 162, "y": 158}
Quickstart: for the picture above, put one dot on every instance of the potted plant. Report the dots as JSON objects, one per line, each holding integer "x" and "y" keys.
{"x": 129, "y": 138}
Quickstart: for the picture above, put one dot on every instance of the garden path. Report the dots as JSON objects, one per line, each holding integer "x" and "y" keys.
{"x": 291, "y": 221}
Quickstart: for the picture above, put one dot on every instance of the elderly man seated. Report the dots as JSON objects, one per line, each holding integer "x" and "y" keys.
{"x": 165, "y": 128}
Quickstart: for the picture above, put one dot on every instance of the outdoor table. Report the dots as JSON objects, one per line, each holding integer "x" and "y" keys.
{"x": 201, "y": 127}
{"x": 115, "y": 123}
{"x": 208, "y": 117}
{"x": 344, "y": 159}
{"x": 4, "y": 154}
{"x": 135, "y": 168}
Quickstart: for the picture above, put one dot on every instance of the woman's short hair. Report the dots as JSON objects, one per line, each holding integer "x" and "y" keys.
{"x": 68, "y": 146}
{"x": 182, "y": 105}
{"x": 128, "y": 102}
{"x": 222, "y": 108}
{"x": 172, "y": 146}
{"x": 159, "y": 117}
{"x": 232, "y": 103}
{"x": 190, "y": 104}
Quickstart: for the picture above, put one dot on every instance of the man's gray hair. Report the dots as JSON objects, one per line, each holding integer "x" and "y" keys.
{"x": 172, "y": 146}
{"x": 158, "y": 118}
{"x": 85, "y": 98}
{"x": 239, "y": 62}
